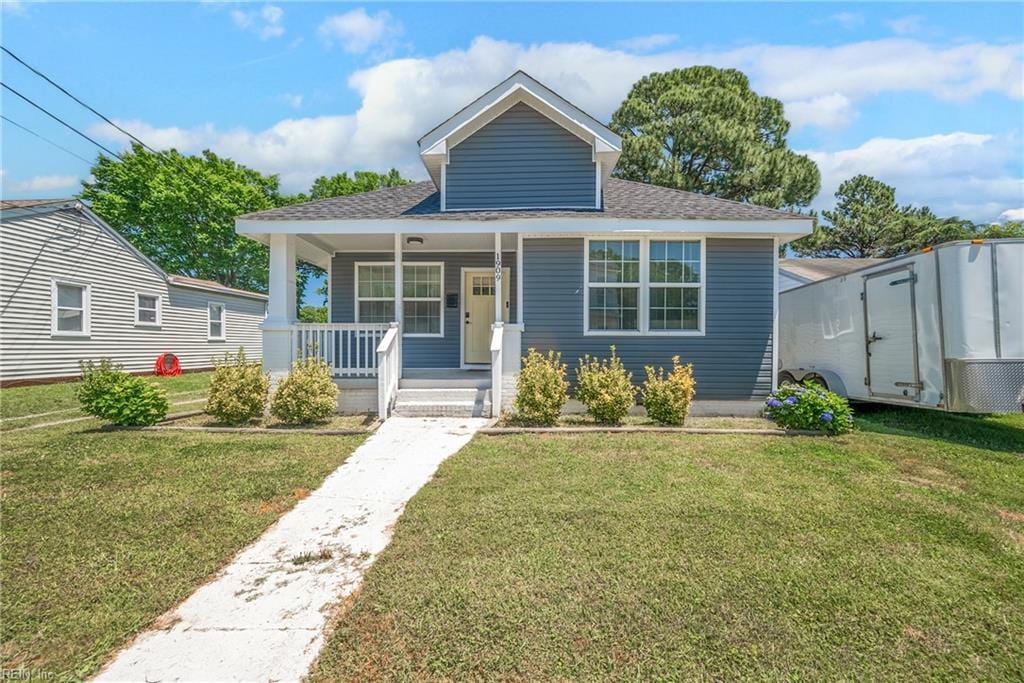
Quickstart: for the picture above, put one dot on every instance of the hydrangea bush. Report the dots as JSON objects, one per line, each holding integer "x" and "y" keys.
{"x": 109, "y": 393}
{"x": 809, "y": 406}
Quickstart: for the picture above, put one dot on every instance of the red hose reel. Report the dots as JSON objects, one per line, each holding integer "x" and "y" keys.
{"x": 167, "y": 365}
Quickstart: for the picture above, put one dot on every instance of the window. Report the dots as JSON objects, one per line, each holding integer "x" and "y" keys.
{"x": 147, "y": 309}
{"x": 217, "y": 324}
{"x": 614, "y": 284}
{"x": 70, "y": 308}
{"x": 645, "y": 286}
{"x": 422, "y": 285}
{"x": 375, "y": 292}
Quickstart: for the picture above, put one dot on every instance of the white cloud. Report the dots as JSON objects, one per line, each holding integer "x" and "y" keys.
{"x": 1012, "y": 215}
{"x": 13, "y": 7}
{"x": 400, "y": 99}
{"x": 291, "y": 100}
{"x": 647, "y": 43}
{"x": 905, "y": 25}
{"x": 847, "y": 19}
{"x": 266, "y": 22}
{"x": 358, "y": 31}
{"x": 46, "y": 183}
{"x": 965, "y": 174}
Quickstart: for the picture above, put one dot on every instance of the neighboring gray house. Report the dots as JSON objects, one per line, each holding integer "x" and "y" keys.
{"x": 794, "y": 272}
{"x": 521, "y": 238}
{"x": 72, "y": 289}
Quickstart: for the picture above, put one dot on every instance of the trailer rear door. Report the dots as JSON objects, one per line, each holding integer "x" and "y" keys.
{"x": 891, "y": 334}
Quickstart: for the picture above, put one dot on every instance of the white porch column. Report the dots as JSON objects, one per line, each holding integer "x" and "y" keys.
{"x": 277, "y": 333}
{"x": 399, "y": 311}
{"x": 499, "y": 302}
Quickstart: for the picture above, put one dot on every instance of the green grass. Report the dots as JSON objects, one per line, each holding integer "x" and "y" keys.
{"x": 19, "y": 402}
{"x": 104, "y": 531}
{"x": 896, "y": 552}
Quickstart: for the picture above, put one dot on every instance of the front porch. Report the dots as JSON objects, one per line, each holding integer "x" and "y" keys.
{"x": 428, "y": 327}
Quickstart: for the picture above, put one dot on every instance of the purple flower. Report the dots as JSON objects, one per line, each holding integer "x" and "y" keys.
{"x": 792, "y": 399}
{"x": 827, "y": 416}
{"x": 774, "y": 402}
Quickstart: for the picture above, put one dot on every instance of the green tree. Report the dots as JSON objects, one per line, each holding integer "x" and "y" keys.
{"x": 340, "y": 185}
{"x": 703, "y": 129}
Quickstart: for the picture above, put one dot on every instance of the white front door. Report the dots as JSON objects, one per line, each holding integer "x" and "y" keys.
{"x": 891, "y": 334}
{"x": 478, "y": 313}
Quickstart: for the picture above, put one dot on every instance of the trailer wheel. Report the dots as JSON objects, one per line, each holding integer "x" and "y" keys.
{"x": 786, "y": 378}
{"x": 817, "y": 380}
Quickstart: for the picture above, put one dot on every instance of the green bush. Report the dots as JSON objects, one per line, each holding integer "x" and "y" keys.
{"x": 307, "y": 394}
{"x": 809, "y": 406}
{"x": 541, "y": 389}
{"x": 238, "y": 389}
{"x": 109, "y": 393}
{"x": 605, "y": 388}
{"x": 667, "y": 399}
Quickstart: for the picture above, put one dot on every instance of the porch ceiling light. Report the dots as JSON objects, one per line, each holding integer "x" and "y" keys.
{"x": 414, "y": 239}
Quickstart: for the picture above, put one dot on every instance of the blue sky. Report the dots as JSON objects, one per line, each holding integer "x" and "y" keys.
{"x": 924, "y": 96}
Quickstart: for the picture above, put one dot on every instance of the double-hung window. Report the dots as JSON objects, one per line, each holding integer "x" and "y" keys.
{"x": 69, "y": 311}
{"x": 147, "y": 309}
{"x": 644, "y": 286}
{"x": 422, "y": 296}
{"x": 217, "y": 323}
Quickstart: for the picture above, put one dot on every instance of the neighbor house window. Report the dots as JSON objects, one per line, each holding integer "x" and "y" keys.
{"x": 70, "y": 308}
{"x": 147, "y": 309}
{"x": 613, "y": 280}
{"x": 646, "y": 286}
{"x": 421, "y": 298}
{"x": 375, "y": 293}
{"x": 216, "y": 321}
{"x": 422, "y": 285}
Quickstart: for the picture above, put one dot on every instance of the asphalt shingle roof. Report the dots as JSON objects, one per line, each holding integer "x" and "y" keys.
{"x": 622, "y": 199}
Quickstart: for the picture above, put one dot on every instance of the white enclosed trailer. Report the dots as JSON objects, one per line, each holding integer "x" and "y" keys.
{"x": 940, "y": 328}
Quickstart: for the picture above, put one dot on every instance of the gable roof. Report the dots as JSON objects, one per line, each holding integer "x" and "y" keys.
{"x": 622, "y": 199}
{"x": 815, "y": 269}
{"x": 18, "y": 208}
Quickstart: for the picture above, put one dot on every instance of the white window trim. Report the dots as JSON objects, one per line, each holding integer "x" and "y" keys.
{"x": 159, "y": 309}
{"x": 440, "y": 299}
{"x": 223, "y": 321}
{"x": 86, "y": 308}
{"x": 644, "y": 296}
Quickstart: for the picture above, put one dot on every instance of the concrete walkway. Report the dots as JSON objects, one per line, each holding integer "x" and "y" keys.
{"x": 262, "y": 618}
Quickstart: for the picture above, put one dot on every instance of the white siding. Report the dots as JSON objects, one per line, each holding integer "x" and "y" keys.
{"x": 65, "y": 244}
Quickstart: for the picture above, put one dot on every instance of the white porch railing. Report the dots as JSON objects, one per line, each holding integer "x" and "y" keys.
{"x": 350, "y": 349}
{"x": 497, "y": 362}
{"x": 389, "y": 370}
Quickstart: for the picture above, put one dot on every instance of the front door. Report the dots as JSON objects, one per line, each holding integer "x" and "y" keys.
{"x": 891, "y": 334}
{"x": 478, "y": 313}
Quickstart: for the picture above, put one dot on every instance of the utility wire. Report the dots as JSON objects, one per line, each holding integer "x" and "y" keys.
{"x": 44, "y": 139}
{"x": 60, "y": 120}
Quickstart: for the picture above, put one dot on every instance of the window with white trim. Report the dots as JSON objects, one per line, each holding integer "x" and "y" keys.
{"x": 644, "y": 286}
{"x": 217, "y": 322}
{"x": 147, "y": 309}
{"x": 613, "y": 279}
{"x": 69, "y": 308}
{"x": 375, "y": 292}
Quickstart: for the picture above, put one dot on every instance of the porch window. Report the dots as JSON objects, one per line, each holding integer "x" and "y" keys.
{"x": 216, "y": 320}
{"x": 421, "y": 298}
{"x": 613, "y": 282}
{"x": 375, "y": 292}
{"x": 675, "y": 281}
{"x": 69, "y": 308}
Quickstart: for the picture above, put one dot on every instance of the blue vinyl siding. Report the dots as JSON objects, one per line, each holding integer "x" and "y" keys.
{"x": 520, "y": 159}
{"x": 420, "y": 352}
{"x": 731, "y": 361}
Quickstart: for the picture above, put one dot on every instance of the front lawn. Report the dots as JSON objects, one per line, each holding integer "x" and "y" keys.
{"x": 104, "y": 531}
{"x": 896, "y": 552}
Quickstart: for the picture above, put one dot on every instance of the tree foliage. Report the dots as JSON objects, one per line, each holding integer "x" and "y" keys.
{"x": 340, "y": 185}
{"x": 703, "y": 129}
{"x": 868, "y": 223}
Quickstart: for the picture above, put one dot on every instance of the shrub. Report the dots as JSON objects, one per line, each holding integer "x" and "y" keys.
{"x": 605, "y": 388}
{"x": 307, "y": 394}
{"x": 109, "y": 393}
{"x": 238, "y": 389}
{"x": 541, "y": 389}
{"x": 667, "y": 399}
{"x": 809, "y": 406}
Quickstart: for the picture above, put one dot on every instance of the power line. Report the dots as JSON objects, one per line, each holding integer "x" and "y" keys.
{"x": 49, "y": 80}
{"x": 60, "y": 120}
{"x": 44, "y": 139}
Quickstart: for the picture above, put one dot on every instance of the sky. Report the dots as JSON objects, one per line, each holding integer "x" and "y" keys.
{"x": 926, "y": 97}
